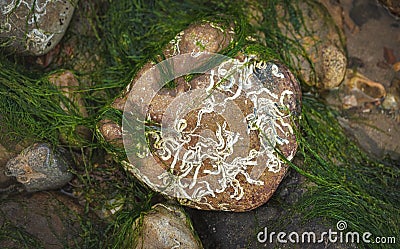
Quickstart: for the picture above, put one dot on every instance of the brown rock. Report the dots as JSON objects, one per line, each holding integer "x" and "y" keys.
{"x": 357, "y": 90}
{"x": 213, "y": 139}
{"x": 392, "y": 5}
{"x": 389, "y": 56}
{"x": 222, "y": 154}
{"x": 226, "y": 158}
{"x": 33, "y": 27}
{"x": 69, "y": 85}
{"x": 165, "y": 226}
{"x": 335, "y": 10}
{"x": 206, "y": 36}
{"x": 42, "y": 220}
{"x": 119, "y": 102}
{"x": 40, "y": 167}
{"x": 111, "y": 132}
{"x": 323, "y": 42}
{"x": 332, "y": 67}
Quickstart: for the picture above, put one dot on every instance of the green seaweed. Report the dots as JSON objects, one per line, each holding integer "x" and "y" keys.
{"x": 30, "y": 106}
{"x": 350, "y": 185}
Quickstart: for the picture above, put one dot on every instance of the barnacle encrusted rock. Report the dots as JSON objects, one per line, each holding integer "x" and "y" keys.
{"x": 215, "y": 145}
{"x": 214, "y": 141}
{"x": 165, "y": 226}
{"x": 33, "y": 27}
{"x": 40, "y": 167}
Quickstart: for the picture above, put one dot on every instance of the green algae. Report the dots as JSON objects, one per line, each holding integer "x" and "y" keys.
{"x": 350, "y": 185}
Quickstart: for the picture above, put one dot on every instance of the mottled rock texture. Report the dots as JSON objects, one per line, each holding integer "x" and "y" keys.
{"x": 214, "y": 139}
{"x": 40, "y": 167}
{"x": 165, "y": 226}
{"x": 33, "y": 27}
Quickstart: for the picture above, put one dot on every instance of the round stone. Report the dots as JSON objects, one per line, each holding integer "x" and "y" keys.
{"x": 165, "y": 226}
{"x": 33, "y": 27}
{"x": 39, "y": 167}
{"x": 210, "y": 131}
{"x": 216, "y": 141}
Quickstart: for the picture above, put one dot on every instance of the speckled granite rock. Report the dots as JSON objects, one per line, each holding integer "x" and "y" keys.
{"x": 165, "y": 226}
{"x": 212, "y": 144}
{"x": 39, "y": 167}
{"x": 33, "y": 27}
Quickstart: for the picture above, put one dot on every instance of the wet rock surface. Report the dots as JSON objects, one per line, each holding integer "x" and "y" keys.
{"x": 46, "y": 220}
{"x": 223, "y": 230}
{"x": 40, "y": 167}
{"x": 375, "y": 132}
{"x": 373, "y": 116}
{"x": 165, "y": 226}
{"x": 34, "y": 27}
{"x": 211, "y": 169}
{"x": 369, "y": 50}
{"x": 240, "y": 230}
{"x": 392, "y": 5}
{"x": 323, "y": 43}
